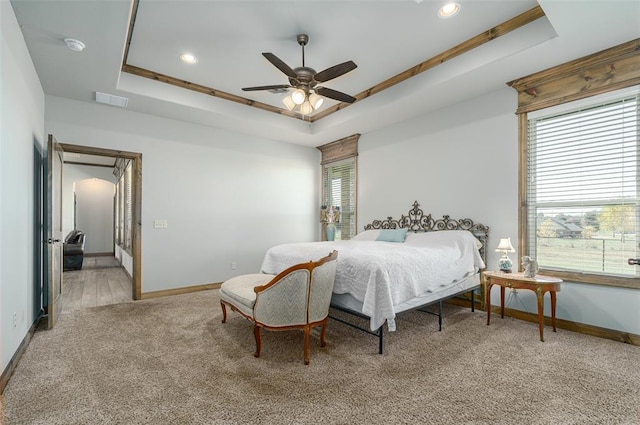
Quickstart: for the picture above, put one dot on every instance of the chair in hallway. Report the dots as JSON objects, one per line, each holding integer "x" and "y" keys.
{"x": 73, "y": 250}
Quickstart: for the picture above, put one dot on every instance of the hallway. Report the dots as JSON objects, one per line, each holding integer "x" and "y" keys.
{"x": 100, "y": 282}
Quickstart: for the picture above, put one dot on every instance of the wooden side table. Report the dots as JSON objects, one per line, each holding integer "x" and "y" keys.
{"x": 539, "y": 284}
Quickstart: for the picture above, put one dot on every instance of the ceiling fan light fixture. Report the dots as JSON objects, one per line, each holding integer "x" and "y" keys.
{"x": 316, "y": 100}
{"x": 448, "y": 10}
{"x": 306, "y": 96}
{"x": 298, "y": 96}
{"x": 288, "y": 102}
{"x": 306, "y": 108}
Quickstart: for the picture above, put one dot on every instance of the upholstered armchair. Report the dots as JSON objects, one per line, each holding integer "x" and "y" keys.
{"x": 297, "y": 298}
{"x": 73, "y": 250}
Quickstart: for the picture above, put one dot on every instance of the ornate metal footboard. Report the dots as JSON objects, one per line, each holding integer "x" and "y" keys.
{"x": 416, "y": 221}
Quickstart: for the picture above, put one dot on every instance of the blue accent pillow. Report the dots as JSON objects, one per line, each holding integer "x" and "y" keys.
{"x": 392, "y": 235}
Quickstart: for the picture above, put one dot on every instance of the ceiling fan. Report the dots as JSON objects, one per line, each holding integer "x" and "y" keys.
{"x": 307, "y": 94}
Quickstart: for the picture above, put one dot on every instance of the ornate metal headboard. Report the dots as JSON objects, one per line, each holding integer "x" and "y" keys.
{"x": 416, "y": 221}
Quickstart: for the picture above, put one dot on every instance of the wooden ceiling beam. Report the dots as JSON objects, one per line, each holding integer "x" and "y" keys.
{"x": 466, "y": 46}
{"x": 152, "y": 75}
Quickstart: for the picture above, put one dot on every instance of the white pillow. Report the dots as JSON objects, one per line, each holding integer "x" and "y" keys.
{"x": 367, "y": 235}
{"x": 425, "y": 238}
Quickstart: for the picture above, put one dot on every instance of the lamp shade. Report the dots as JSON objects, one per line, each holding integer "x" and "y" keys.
{"x": 306, "y": 108}
{"x": 289, "y": 103}
{"x": 298, "y": 96}
{"x": 315, "y": 100}
{"x": 505, "y": 245}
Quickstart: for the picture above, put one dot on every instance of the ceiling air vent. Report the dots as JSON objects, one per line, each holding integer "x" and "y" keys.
{"x": 112, "y": 100}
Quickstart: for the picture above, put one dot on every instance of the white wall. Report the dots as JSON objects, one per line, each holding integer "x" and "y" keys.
{"x": 21, "y": 136}
{"x": 460, "y": 161}
{"x": 72, "y": 173}
{"x": 227, "y": 197}
{"x": 94, "y": 214}
{"x": 463, "y": 161}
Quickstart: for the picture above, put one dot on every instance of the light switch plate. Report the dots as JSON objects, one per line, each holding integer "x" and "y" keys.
{"x": 159, "y": 224}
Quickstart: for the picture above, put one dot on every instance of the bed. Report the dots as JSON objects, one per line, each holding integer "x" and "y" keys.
{"x": 395, "y": 266}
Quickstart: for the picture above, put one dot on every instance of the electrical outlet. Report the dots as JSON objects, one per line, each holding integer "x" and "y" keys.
{"x": 233, "y": 265}
{"x": 15, "y": 319}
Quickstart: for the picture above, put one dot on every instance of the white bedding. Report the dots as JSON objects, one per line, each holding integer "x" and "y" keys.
{"x": 382, "y": 275}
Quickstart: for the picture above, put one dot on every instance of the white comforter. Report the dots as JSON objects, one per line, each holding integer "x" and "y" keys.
{"x": 384, "y": 274}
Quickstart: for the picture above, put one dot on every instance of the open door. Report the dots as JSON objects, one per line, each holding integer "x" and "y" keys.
{"x": 53, "y": 232}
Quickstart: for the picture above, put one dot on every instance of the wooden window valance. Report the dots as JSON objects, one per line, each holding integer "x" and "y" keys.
{"x": 605, "y": 71}
{"x": 340, "y": 149}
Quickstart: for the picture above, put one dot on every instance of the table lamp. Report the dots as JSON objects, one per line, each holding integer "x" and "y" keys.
{"x": 505, "y": 262}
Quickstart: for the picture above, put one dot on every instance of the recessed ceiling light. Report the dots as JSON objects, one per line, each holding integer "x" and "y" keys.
{"x": 188, "y": 58}
{"x": 449, "y": 10}
{"x": 75, "y": 45}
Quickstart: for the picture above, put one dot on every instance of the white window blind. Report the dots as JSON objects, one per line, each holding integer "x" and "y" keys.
{"x": 128, "y": 204}
{"x": 582, "y": 187}
{"x": 121, "y": 211}
{"x": 339, "y": 180}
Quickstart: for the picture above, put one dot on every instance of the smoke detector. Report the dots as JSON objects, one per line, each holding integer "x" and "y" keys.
{"x": 75, "y": 45}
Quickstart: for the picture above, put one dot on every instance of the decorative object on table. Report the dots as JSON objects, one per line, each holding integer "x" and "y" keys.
{"x": 330, "y": 215}
{"x": 505, "y": 262}
{"x": 530, "y": 266}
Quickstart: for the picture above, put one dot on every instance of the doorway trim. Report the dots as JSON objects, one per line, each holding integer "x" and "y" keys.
{"x": 136, "y": 183}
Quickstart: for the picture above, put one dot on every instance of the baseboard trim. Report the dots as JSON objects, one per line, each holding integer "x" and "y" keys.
{"x": 100, "y": 254}
{"x": 13, "y": 363}
{"x": 626, "y": 337}
{"x": 178, "y": 291}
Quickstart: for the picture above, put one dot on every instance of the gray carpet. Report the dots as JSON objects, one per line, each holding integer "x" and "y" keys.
{"x": 170, "y": 361}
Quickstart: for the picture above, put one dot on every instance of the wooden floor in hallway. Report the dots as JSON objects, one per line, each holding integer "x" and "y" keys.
{"x": 101, "y": 281}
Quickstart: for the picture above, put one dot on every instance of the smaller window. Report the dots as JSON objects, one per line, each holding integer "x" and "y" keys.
{"x": 339, "y": 189}
{"x": 128, "y": 208}
{"x": 124, "y": 207}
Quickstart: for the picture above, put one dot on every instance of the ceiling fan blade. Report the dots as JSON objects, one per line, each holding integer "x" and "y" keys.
{"x": 335, "y": 71}
{"x": 280, "y": 65}
{"x": 275, "y": 87}
{"x": 334, "y": 94}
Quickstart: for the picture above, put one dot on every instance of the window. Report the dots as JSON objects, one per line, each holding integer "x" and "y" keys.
{"x": 128, "y": 204}
{"x": 339, "y": 188}
{"x": 582, "y": 192}
{"x": 586, "y": 194}
{"x": 124, "y": 204}
{"x": 118, "y": 212}
{"x": 339, "y": 173}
